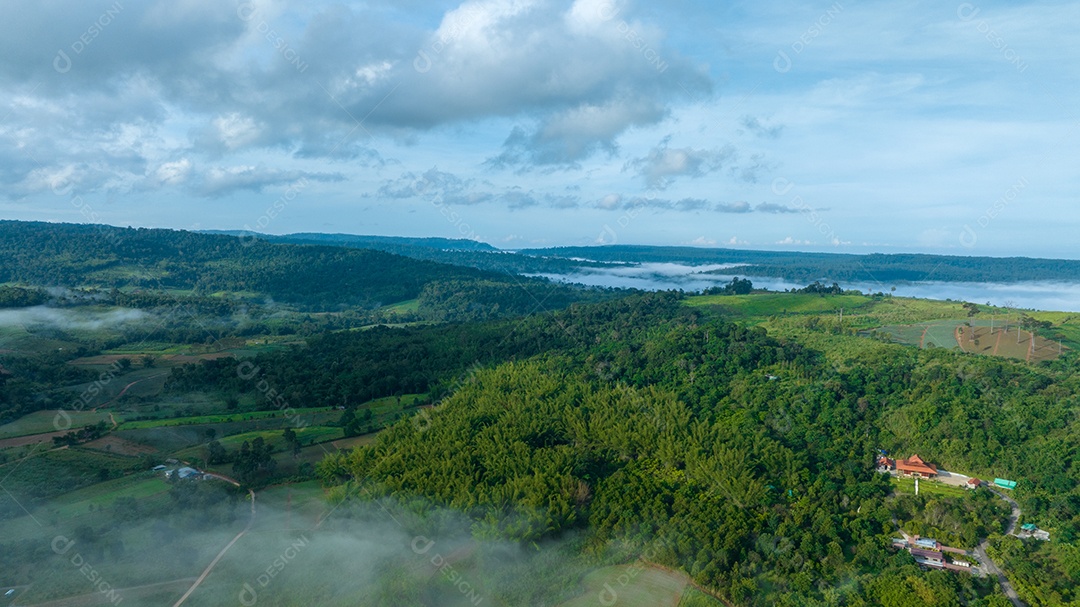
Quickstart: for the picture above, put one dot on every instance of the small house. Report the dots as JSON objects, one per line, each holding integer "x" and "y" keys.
{"x": 973, "y": 483}
{"x": 926, "y": 542}
{"x": 931, "y": 558}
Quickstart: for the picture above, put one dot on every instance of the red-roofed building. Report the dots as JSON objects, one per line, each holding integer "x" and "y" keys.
{"x": 974, "y": 483}
{"x": 914, "y": 466}
{"x": 885, "y": 464}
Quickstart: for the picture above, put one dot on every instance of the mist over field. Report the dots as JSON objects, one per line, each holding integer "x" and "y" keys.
{"x": 71, "y": 318}
{"x": 1035, "y": 295}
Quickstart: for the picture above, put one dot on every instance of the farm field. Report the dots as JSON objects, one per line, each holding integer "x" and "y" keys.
{"x": 47, "y": 421}
{"x": 633, "y": 585}
{"x": 975, "y": 336}
{"x": 219, "y": 418}
{"x": 308, "y": 436}
{"x": 412, "y": 305}
{"x": 775, "y": 304}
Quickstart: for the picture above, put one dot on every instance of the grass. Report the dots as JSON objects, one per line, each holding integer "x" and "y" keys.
{"x": 40, "y": 422}
{"x": 919, "y": 322}
{"x": 692, "y": 597}
{"x": 402, "y": 307}
{"x": 634, "y": 584}
{"x": 89, "y": 505}
{"x": 222, "y": 418}
{"x": 311, "y": 435}
{"x": 907, "y": 485}
{"x": 775, "y": 304}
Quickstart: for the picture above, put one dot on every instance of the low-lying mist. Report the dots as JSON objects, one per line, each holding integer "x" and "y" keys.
{"x": 81, "y": 318}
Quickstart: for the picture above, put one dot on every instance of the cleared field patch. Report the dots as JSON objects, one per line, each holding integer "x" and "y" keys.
{"x": 975, "y": 336}
{"x": 223, "y": 418}
{"x": 311, "y": 435}
{"x": 141, "y": 383}
{"x": 1027, "y": 346}
{"x": 911, "y": 335}
{"x": 292, "y": 507}
{"x": 50, "y": 421}
{"x": 632, "y": 585}
{"x": 355, "y": 441}
{"x": 778, "y": 304}
{"x": 32, "y": 439}
{"x": 111, "y": 443}
{"x": 402, "y": 307}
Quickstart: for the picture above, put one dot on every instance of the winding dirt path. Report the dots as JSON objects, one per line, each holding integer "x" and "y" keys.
{"x": 217, "y": 558}
{"x": 117, "y": 397}
{"x": 991, "y": 566}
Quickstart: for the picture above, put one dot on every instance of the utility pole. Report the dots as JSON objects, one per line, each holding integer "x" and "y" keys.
{"x": 916, "y": 485}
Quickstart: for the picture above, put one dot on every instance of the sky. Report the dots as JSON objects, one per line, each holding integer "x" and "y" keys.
{"x": 939, "y": 127}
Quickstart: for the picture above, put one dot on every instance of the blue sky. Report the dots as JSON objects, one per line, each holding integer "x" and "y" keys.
{"x": 841, "y": 126}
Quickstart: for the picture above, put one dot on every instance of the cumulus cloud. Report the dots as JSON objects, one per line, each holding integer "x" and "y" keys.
{"x": 740, "y": 206}
{"x": 756, "y": 126}
{"x": 219, "y": 181}
{"x": 794, "y": 241}
{"x": 772, "y": 207}
{"x": 200, "y": 80}
{"x": 448, "y": 188}
{"x": 701, "y": 241}
{"x": 663, "y": 163}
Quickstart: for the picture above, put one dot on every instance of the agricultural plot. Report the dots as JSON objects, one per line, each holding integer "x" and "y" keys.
{"x": 975, "y": 336}
{"x": 48, "y": 421}
{"x": 632, "y": 585}
{"x": 1025, "y": 346}
{"x": 778, "y": 304}
{"x": 307, "y": 436}
{"x": 111, "y": 386}
{"x": 305, "y": 414}
{"x": 46, "y": 474}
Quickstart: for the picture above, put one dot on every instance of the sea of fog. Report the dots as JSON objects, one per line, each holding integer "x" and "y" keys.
{"x": 1063, "y": 296}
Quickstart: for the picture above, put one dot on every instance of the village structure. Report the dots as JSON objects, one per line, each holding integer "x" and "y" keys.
{"x": 931, "y": 553}
{"x": 913, "y": 467}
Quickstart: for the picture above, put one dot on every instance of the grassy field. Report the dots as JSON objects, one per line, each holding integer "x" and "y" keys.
{"x": 631, "y": 585}
{"x": 402, "y": 307}
{"x": 974, "y": 335}
{"x": 918, "y": 322}
{"x": 90, "y": 505}
{"x": 692, "y": 597}
{"x": 311, "y": 435}
{"x": 40, "y": 422}
{"x": 907, "y": 485}
{"x": 217, "y": 419}
{"x": 777, "y": 304}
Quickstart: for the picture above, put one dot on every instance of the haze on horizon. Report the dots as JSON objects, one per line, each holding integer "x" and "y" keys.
{"x": 834, "y": 126}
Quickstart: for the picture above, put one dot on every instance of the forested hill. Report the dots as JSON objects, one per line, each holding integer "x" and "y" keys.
{"x": 807, "y": 267}
{"x": 456, "y": 251}
{"x": 381, "y": 243}
{"x": 73, "y": 255}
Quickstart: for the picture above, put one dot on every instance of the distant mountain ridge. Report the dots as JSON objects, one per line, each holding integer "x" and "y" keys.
{"x": 316, "y": 277}
{"x": 842, "y": 267}
{"x": 362, "y": 241}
